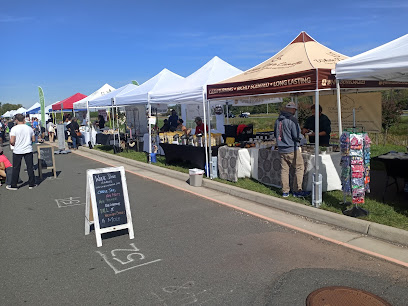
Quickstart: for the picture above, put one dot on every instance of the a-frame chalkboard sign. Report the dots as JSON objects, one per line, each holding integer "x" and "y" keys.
{"x": 46, "y": 159}
{"x": 107, "y": 202}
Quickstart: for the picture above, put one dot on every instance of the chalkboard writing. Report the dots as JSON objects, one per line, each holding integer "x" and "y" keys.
{"x": 46, "y": 157}
{"x": 107, "y": 202}
{"x": 110, "y": 200}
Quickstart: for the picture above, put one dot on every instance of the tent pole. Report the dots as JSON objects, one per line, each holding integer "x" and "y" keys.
{"x": 205, "y": 134}
{"x": 227, "y": 113}
{"x": 149, "y": 107}
{"x": 316, "y": 200}
{"x": 113, "y": 124}
{"x": 209, "y": 140}
{"x": 339, "y": 107}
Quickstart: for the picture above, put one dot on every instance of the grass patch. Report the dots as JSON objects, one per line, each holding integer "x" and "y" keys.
{"x": 392, "y": 214}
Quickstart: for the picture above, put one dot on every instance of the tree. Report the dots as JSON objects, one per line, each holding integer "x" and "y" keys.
{"x": 392, "y": 106}
{"x": 7, "y": 107}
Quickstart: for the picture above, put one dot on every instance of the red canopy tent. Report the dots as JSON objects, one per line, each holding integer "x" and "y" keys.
{"x": 68, "y": 102}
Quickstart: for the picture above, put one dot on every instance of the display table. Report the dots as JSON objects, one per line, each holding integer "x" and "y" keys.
{"x": 106, "y": 139}
{"x": 194, "y": 155}
{"x": 264, "y": 166}
{"x": 396, "y": 166}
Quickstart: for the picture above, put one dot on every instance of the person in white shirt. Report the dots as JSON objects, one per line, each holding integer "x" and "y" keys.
{"x": 22, "y": 137}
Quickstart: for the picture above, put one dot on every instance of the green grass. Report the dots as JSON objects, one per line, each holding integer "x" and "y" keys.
{"x": 392, "y": 214}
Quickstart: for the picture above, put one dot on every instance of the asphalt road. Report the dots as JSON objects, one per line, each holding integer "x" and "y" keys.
{"x": 186, "y": 251}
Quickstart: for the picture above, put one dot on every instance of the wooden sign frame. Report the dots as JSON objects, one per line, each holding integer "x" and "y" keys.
{"x": 91, "y": 208}
{"x": 40, "y": 167}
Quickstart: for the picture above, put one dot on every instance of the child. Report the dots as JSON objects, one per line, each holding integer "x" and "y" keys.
{"x": 6, "y": 168}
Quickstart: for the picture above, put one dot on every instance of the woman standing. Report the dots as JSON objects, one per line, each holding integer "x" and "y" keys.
{"x": 51, "y": 130}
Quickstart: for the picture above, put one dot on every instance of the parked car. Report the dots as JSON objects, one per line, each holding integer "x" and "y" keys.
{"x": 230, "y": 115}
{"x": 244, "y": 115}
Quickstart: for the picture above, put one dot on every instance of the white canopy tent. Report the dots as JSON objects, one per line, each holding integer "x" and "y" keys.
{"x": 34, "y": 109}
{"x": 7, "y": 114}
{"x": 21, "y": 110}
{"x": 106, "y": 100}
{"x": 193, "y": 89}
{"x": 48, "y": 108}
{"x": 82, "y": 104}
{"x": 388, "y": 62}
{"x": 141, "y": 94}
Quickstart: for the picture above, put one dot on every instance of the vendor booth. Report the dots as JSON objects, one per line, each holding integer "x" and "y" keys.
{"x": 192, "y": 90}
{"x": 139, "y": 108}
{"x": 304, "y": 66}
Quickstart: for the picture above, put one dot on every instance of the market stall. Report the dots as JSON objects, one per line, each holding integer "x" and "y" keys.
{"x": 138, "y": 106}
{"x": 192, "y": 89}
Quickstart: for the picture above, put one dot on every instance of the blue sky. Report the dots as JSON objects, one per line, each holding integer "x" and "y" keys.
{"x": 77, "y": 46}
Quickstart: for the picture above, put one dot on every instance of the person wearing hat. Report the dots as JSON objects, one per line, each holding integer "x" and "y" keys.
{"x": 324, "y": 128}
{"x": 199, "y": 126}
{"x": 288, "y": 136}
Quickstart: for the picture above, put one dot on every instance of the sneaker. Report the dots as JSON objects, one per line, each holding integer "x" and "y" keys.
{"x": 11, "y": 188}
{"x": 301, "y": 194}
{"x": 285, "y": 194}
{"x": 32, "y": 187}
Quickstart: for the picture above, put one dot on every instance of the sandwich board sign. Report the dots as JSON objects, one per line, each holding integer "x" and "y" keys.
{"x": 107, "y": 202}
{"x": 46, "y": 159}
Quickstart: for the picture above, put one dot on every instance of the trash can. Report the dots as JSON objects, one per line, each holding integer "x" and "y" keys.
{"x": 196, "y": 177}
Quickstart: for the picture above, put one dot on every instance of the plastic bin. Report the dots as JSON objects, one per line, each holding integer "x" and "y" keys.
{"x": 153, "y": 158}
{"x": 196, "y": 177}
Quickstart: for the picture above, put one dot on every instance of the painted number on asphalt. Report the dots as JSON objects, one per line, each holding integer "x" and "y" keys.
{"x": 71, "y": 201}
{"x": 121, "y": 260}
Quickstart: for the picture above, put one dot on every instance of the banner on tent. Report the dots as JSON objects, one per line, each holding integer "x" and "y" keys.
{"x": 136, "y": 119}
{"x": 367, "y": 108}
{"x": 194, "y": 110}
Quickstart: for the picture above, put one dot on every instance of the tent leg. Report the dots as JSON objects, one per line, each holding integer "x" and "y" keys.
{"x": 205, "y": 136}
{"x": 209, "y": 140}
{"x": 317, "y": 201}
{"x": 149, "y": 107}
{"x": 339, "y": 107}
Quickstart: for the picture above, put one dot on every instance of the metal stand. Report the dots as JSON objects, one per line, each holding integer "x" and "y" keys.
{"x": 356, "y": 211}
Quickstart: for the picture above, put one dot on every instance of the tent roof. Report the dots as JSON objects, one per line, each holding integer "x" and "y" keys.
{"x": 68, "y": 102}
{"x": 105, "y": 100}
{"x": 105, "y": 89}
{"x": 387, "y": 62}
{"x": 48, "y": 108}
{"x": 34, "y": 108}
{"x": 191, "y": 88}
{"x": 303, "y": 53}
{"x": 21, "y": 110}
{"x": 6, "y": 114}
{"x": 164, "y": 79}
{"x": 297, "y": 67}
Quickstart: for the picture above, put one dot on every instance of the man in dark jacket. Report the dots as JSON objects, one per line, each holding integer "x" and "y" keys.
{"x": 287, "y": 133}
{"x": 324, "y": 127}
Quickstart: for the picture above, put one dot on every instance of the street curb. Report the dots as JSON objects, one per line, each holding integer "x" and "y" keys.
{"x": 372, "y": 229}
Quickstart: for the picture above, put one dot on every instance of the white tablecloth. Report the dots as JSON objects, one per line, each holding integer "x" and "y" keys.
{"x": 247, "y": 164}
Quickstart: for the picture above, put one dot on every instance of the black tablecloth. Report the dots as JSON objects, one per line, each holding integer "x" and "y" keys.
{"x": 194, "y": 155}
{"x": 396, "y": 166}
{"x": 104, "y": 139}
